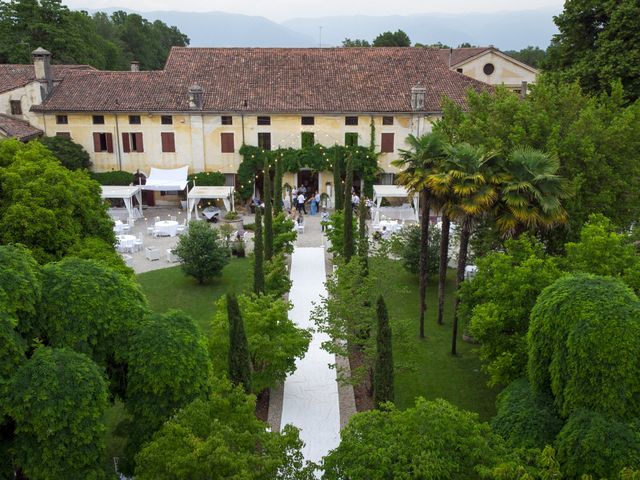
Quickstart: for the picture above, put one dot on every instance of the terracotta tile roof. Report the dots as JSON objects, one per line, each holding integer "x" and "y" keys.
{"x": 16, "y": 76}
{"x": 15, "y": 128}
{"x": 459, "y": 55}
{"x": 271, "y": 80}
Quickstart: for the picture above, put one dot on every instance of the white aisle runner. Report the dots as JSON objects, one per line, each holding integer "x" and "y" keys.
{"x": 311, "y": 392}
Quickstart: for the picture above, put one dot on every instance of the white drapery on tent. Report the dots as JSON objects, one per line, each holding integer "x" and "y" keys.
{"x": 393, "y": 191}
{"x": 198, "y": 193}
{"x": 161, "y": 179}
{"x": 126, "y": 193}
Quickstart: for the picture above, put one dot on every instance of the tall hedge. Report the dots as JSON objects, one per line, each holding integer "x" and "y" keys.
{"x": 239, "y": 359}
{"x": 258, "y": 255}
{"x": 383, "y": 390}
{"x": 268, "y": 216}
{"x": 348, "y": 213}
{"x": 584, "y": 346}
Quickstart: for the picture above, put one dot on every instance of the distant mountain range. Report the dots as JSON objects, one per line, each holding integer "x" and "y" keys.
{"x": 505, "y": 30}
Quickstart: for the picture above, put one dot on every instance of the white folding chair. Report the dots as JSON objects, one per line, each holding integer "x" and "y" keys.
{"x": 138, "y": 244}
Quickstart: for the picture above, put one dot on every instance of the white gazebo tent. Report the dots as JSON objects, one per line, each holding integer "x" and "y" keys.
{"x": 198, "y": 193}
{"x": 126, "y": 193}
{"x": 161, "y": 179}
{"x": 393, "y": 191}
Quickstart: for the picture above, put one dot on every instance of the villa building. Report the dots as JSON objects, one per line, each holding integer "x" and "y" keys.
{"x": 207, "y": 102}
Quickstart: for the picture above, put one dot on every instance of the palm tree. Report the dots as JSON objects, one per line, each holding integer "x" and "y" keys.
{"x": 418, "y": 164}
{"x": 473, "y": 182}
{"x": 531, "y": 193}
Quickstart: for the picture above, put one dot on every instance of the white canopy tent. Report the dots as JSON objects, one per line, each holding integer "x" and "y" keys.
{"x": 161, "y": 179}
{"x": 198, "y": 193}
{"x": 393, "y": 191}
{"x": 126, "y": 193}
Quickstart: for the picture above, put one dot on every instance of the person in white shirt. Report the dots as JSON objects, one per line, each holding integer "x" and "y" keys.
{"x": 301, "y": 206}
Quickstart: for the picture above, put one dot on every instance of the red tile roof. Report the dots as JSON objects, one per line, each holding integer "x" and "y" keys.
{"x": 270, "y": 80}
{"x": 459, "y": 55}
{"x": 16, "y": 76}
{"x": 13, "y": 127}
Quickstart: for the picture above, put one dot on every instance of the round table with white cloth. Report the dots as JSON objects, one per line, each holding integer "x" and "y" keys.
{"x": 168, "y": 228}
{"x": 389, "y": 226}
{"x": 126, "y": 243}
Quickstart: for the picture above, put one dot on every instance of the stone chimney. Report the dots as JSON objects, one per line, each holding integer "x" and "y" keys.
{"x": 135, "y": 66}
{"x": 42, "y": 66}
{"x": 196, "y": 97}
{"x": 418, "y": 95}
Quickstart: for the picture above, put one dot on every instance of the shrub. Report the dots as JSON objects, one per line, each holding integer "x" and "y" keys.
{"x": 584, "y": 346}
{"x": 206, "y": 179}
{"x": 406, "y": 244}
{"x": 284, "y": 235}
{"x": 335, "y": 232}
{"x": 525, "y": 420}
{"x": 202, "y": 253}
{"x": 276, "y": 279}
{"x": 594, "y": 444}
{"x": 118, "y": 177}
{"x": 71, "y": 154}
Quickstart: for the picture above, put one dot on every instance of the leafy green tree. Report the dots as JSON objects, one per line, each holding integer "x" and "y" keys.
{"x": 239, "y": 360}
{"x": 407, "y": 245}
{"x": 495, "y": 306}
{"x": 219, "y": 437}
{"x": 431, "y": 440}
{"x": 597, "y": 43}
{"x": 88, "y": 308}
{"x": 258, "y": 255}
{"x": 392, "y": 39}
{"x": 347, "y": 42}
{"x": 523, "y": 419}
{"x": 532, "y": 56}
{"x": 596, "y": 444}
{"x": 284, "y": 234}
{"x": 418, "y": 165}
{"x": 268, "y": 216}
{"x": 71, "y": 154}
{"x": 276, "y": 281}
{"x": 596, "y": 140}
{"x": 383, "y": 390}
{"x": 57, "y": 400}
{"x": 45, "y": 206}
{"x": 584, "y": 346}
{"x": 201, "y": 252}
{"x": 347, "y": 243}
{"x": 275, "y": 342}
{"x": 603, "y": 251}
{"x": 20, "y": 285}
{"x": 93, "y": 248}
{"x": 168, "y": 367}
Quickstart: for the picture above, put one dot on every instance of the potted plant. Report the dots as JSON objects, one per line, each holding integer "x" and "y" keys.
{"x": 232, "y": 218}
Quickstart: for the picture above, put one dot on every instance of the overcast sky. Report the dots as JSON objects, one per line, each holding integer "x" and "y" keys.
{"x": 284, "y": 9}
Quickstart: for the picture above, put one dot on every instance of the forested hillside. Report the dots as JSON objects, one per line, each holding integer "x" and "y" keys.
{"x": 107, "y": 42}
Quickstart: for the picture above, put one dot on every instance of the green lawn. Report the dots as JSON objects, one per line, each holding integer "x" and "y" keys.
{"x": 170, "y": 288}
{"x": 426, "y": 367}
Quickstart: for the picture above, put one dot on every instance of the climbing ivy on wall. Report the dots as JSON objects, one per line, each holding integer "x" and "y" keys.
{"x": 315, "y": 157}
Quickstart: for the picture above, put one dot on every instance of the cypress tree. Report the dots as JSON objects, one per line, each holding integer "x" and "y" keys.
{"x": 268, "y": 215}
{"x": 363, "y": 240}
{"x": 277, "y": 187}
{"x": 383, "y": 368}
{"x": 337, "y": 184}
{"x": 348, "y": 213}
{"x": 239, "y": 358}
{"x": 258, "y": 253}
